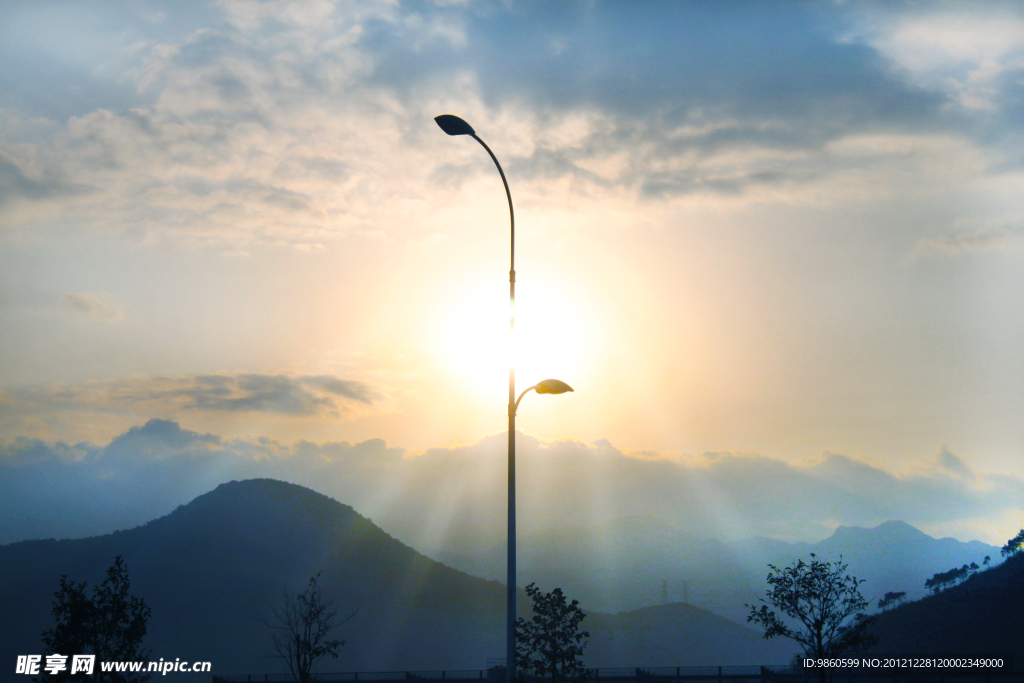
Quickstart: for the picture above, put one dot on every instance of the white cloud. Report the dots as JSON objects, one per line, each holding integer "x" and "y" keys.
{"x": 956, "y": 48}
{"x": 250, "y": 15}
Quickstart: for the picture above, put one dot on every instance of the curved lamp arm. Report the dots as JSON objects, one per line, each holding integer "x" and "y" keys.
{"x": 453, "y": 125}
{"x": 545, "y": 386}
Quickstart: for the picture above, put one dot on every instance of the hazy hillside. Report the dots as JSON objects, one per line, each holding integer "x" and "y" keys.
{"x": 663, "y": 634}
{"x": 983, "y": 615}
{"x": 211, "y": 567}
{"x": 641, "y": 561}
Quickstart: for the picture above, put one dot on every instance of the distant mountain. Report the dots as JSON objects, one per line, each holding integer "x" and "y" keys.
{"x": 640, "y": 562}
{"x": 895, "y": 556}
{"x": 983, "y": 615}
{"x": 676, "y": 632}
{"x": 210, "y": 568}
{"x": 629, "y": 564}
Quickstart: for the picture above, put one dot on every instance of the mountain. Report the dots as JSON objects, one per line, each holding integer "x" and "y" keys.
{"x": 895, "y": 556}
{"x": 983, "y": 615}
{"x": 211, "y": 568}
{"x": 639, "y": 562}
{"x": 677, "y": 632}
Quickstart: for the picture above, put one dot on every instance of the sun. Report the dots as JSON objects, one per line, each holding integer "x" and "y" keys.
{"x": 553, "y": 336}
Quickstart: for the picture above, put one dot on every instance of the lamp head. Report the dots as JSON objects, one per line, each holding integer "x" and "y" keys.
{"x": 453, "y": 125}
{"x": 552, "y": 386}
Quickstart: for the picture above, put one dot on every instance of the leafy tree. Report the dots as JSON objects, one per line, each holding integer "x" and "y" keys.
{"x": 891, "y": 599}
{"x": 953, "y": 577}
{"x": 302, "y": 627}
{"x": 110, "y": 625}
{"x": 938, "y": 581}
{"x": 1014, "y": 545}
{"x": 822, "y": 606}
{"x": 551, "y": 643}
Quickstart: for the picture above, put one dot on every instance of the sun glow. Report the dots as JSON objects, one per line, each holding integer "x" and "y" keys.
{"x": 553, "y": 336}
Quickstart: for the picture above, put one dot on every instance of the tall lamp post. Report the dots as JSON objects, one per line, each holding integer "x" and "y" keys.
{"x": 453, "y": 125}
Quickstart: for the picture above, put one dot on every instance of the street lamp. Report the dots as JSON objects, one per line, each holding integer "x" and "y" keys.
{"x": 453, "y": 125}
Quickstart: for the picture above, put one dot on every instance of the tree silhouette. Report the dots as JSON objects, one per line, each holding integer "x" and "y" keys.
{"x": 952, "y": 577}
{"x": 551, "y": 643}
{"x": 302, "y": 628}
{"x": 823, "y": 608}
{"x": 1014, "y": 545}
{"x": 939, "y": 581}
{"x": 110, "y": 625}
{"x": 891, "y": 599}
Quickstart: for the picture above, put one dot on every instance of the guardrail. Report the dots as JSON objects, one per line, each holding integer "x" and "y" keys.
{"x": 375, "y": 676}
{"x": 610, "y": 675}
{"x": 721, "y": 674}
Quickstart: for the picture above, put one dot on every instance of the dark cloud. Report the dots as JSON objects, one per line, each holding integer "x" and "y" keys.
{"x": 752, "y": 60}
{"x": 272, "y": 393}
{"x": 1009, "y": 108}
{"x": 255, "y": 393}
{"x": 667, "y": 64}
{"x": 677, "y": 85}
{"x": 300, "y": 396}
{"x": 691, "y": 181}
{"x": 342, "y": 387}
{"x": 952, "y": 464}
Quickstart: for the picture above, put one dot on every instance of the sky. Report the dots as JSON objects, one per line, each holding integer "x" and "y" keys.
{"x": 776, "y": 249}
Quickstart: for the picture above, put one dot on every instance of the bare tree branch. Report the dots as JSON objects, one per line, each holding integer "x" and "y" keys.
{"x": 301, "y": 629}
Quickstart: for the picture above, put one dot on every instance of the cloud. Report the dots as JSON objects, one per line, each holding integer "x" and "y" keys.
{"x": 78, "y": 490}
{"x": 448, "y": 497}
{"x": 296, "y": 396}
{"x": 240, "y": 124}
{"x": 160, "y": 434}
{"x": 972, "y": 52}
{"x": 97, "y": 305}
{"x": 982, "y": 240}
{"x": 269, "y": 393}
{"x": 949, "y": 462}
{"x": 298, "y": 124}
{"x": 17, "y": 184}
